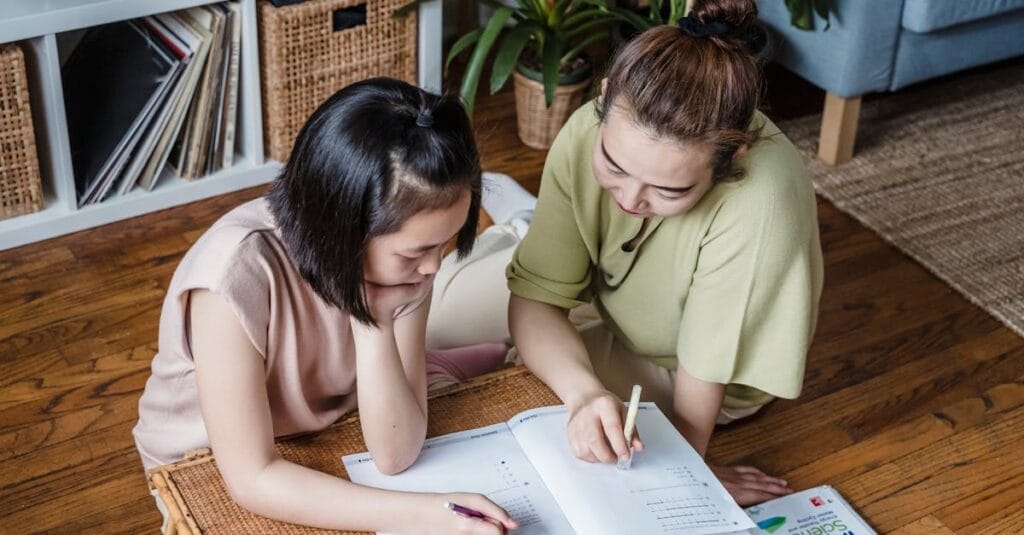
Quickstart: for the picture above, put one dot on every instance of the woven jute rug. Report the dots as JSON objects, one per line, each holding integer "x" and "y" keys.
{"x": 939, "y": 173}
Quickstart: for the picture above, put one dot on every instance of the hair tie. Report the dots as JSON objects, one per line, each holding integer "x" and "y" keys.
{"x": 424, "y": 119}
{"x": 694, "y": 27}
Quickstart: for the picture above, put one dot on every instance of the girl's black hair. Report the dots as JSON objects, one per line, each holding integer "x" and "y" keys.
{"x": 372, "y": 155}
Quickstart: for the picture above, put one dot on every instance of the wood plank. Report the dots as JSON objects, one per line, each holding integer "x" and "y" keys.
{"x": 877, "y": 396}
{"x": 88, "y": 336}
{"x": 909, "y": 437}
{"x": 971, "y": 464}
{"x": 56, "y": 473}
{"x": 21, "y": 439}
{"x": 118, "y": 503}
{"x": 848, "y": 359}
{"x": 41, "y": 260}
{"x": 928, "y": 525}
{"x": 1010, "y": 520}
{"x": 82, "y": 297}
{"x": 53, "y": 383}
{"x": 138, "y": 515}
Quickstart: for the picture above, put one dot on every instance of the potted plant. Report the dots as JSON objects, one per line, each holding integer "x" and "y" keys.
{"x": 540, "y": 43}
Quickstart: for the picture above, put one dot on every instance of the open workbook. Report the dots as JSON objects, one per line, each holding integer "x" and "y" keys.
{"x": 525, "y": 466}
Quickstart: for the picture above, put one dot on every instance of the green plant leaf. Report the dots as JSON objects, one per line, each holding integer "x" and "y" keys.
{"x": 531, "y": 10}
{"x": 677, "y": 11}
{"x": 800, "y": 14}
{"x": 631, "y": 18}
{"x": 508, "y": 55}
{"x": 599, "y": 3}
{"x": 583, "y": 45}
{"x": 561, "y": 6}
{"x": 552, "y": 55}
{"x": 655, "y": 13}
{"x": 582, "y": 15}
{"x": 463, "y": 43}
{"x": 542, "y": 10}
{"x": 471, "y": 79}
{"x": 821, "y": 7}
{"x": 587, "y": 26}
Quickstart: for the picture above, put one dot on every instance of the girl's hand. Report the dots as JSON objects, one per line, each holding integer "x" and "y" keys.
{"x": 388, "y": 302}
{"x": 750, "y": 486}
{"x": 596, "y": 432}
{"x": 436, "y": 518}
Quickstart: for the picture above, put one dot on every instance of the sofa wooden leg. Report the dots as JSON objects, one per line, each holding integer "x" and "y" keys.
{"x": 838, "y": 128}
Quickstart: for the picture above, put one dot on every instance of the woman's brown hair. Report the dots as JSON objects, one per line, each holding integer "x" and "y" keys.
{"x": 689, "y": 85}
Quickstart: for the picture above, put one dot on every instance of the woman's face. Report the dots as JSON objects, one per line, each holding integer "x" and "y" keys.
{"x": 646, "y": 176}
{"x": 412, "y": 254}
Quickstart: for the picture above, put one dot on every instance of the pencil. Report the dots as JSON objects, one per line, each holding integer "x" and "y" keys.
{"x": 634, "y": 405}
{"x": 463, "y": 510}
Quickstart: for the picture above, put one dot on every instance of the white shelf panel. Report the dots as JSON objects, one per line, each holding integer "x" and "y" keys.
{"x": 429, "y": 45}
{"x": 23, "y": 19}
{"x": 56, "y": 219}
{"x": 49, "y": 119}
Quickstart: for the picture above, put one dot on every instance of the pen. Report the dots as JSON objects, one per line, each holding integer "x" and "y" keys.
{"x": 634, "y": 405}
{"x": 457, "y": 509}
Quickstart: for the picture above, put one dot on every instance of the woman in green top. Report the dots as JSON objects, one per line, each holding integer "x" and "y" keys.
{"x": 688, "y": 220}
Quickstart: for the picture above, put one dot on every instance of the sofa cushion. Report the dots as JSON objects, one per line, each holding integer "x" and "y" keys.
{"x": 923, "y": 16}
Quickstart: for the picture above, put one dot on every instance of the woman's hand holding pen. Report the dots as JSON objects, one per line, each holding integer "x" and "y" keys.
{"x": 595, "y": 429}
{"x": 442, "y": 516}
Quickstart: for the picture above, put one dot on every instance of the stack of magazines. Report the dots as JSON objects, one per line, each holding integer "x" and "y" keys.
{"x": 150, "y": 93}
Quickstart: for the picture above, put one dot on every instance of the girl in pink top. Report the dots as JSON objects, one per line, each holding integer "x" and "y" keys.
{"x": 289, "y": 301}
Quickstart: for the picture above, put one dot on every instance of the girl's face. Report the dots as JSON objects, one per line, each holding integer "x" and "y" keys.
{"x": 412, "y": 254}
{"x": 645, "y": 176}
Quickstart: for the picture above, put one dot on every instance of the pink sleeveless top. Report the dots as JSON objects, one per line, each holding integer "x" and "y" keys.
{"x": 306, "y": 343}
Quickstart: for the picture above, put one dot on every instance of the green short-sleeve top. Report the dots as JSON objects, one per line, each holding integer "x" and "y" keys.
{"x": 728, "y": 290}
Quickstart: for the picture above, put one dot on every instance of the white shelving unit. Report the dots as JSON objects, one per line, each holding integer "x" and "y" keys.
{"x": 36, "y": 23}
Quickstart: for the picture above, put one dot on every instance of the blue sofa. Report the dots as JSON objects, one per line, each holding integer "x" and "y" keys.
{"x": 885, "y": 45}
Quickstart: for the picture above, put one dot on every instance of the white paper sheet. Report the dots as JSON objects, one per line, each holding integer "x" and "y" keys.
{"x": 668, "y": 489}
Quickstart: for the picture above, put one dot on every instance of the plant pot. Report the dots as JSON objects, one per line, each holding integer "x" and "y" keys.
{"x": 538, "y": 124}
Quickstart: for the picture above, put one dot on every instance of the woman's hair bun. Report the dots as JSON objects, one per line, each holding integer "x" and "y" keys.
{"x": 730, "y": 22}
{"x": 740, "y": 14}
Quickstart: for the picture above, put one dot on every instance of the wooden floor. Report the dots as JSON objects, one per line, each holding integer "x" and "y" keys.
{"x": 913, "y": 405}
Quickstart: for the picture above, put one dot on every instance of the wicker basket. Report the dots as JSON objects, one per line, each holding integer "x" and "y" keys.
{"x": 21, "y": 189}
{"x": 303, "y": 60}
{"x": 538, "y": 124}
